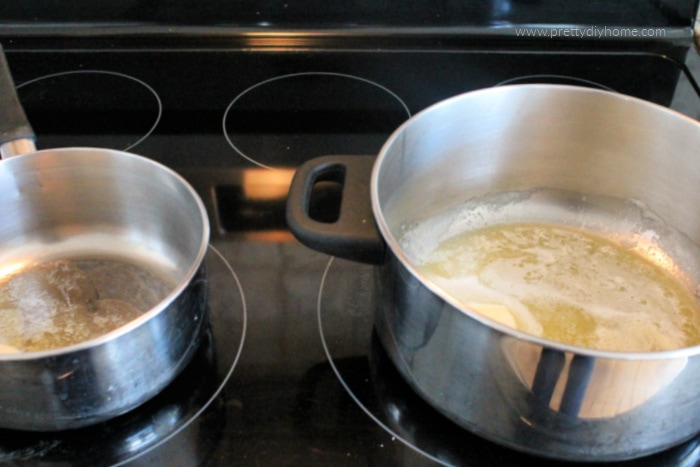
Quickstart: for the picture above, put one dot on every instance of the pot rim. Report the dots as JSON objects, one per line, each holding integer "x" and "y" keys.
{"x": 176, "y": 291}
{"x": 398, "y": 251}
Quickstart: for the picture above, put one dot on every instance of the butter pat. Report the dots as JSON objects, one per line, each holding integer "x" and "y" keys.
{"x": 498, "y": 313}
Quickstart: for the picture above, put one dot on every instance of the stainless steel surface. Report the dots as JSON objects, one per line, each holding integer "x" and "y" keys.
{"x": 519, "y": 390}
{"x": 78, "y": 202}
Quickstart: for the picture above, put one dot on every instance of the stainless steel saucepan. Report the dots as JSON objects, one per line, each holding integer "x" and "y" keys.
{"x": 585, "y": 157}
{"x": 87, "y": 202}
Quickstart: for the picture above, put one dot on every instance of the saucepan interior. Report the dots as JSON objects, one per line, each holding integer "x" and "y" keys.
{"x": 616, "y": 165}
{"x": 86, "y": 202}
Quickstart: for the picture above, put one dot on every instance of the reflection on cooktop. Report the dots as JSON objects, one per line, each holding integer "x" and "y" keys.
{"x": 135, "y": 432}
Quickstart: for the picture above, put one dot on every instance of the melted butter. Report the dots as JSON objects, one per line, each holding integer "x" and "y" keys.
{"x": 64, "y": 302}
{"x": 567, "y": 285}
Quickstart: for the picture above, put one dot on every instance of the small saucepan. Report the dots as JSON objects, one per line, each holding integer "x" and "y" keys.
{"x": 94, "y": 205}
{"x": 611, "y": 162}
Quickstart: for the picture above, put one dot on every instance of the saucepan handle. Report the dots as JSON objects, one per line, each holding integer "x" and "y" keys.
{"x": 352, "y": 233}
{"x": 16, "y": 134}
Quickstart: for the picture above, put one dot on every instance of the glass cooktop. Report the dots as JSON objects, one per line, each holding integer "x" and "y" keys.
{"x": 291, "y": 372}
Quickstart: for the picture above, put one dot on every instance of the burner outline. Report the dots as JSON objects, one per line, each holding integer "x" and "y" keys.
{"x": 295, "y": 75}
{"x": 349, "y": 391}
{"x": 109, "y": 73}
{"x": 226, "y": 377}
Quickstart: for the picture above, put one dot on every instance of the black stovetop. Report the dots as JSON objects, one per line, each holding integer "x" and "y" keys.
{"x": 291, "y": 373}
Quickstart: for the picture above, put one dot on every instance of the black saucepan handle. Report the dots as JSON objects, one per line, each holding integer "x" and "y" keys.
{"x": 13, "y": 121}
{"x": 353, "y": 233}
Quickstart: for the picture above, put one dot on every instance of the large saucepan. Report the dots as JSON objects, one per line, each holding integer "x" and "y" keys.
{"x": 86, "y": 202}
{"x": 574, "y": 149}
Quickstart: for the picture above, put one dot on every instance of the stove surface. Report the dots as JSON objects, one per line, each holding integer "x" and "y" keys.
{"x": 291, "y": 373}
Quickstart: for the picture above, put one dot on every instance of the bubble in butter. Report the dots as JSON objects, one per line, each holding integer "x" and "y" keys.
{"x": 567, "y": 285}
